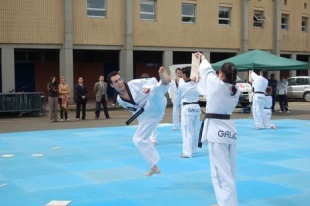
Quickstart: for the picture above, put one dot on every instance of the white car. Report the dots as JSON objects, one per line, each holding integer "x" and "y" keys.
{"x": 299, "y": 87}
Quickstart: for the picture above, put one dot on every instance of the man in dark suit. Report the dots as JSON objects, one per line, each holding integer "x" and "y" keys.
{"x": 81, "y": 98}
{"x": 100, "y": 90}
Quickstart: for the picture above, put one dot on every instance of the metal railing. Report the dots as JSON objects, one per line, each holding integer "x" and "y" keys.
{"x": 23, "y": 103}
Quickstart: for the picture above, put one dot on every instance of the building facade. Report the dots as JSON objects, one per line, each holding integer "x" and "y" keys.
{"x": 88, "y": 38}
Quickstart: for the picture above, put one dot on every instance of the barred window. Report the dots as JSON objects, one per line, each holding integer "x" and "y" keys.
{"x": 148, "y": 10}
{"x": 96, "y": 8}
{"x": 188, "y": 13}
{"x": 224, "y": 15}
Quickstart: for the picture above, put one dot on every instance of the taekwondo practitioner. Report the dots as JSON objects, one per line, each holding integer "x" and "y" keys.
{"x": 172, "y": 91}
{"x": 145, "y": 98}
{"x": 218, "y": 130}
{"x": 268, "y": 102}
{"x": 187, "y": 97}
{"x": 261, "y": 84}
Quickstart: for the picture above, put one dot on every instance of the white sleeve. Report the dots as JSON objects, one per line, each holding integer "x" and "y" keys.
{"x": 254, "y": 76}
{"x": 205, "y": 69}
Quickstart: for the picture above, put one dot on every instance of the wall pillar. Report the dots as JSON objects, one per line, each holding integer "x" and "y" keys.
{"x": 66, "y": 53}
{"x": 8, "y": 68}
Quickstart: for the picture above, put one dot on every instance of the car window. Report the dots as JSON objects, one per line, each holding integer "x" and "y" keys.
{"x": 300, "y": 81}
{"x": 291, "y": 81}
{"x": 307, "y": 81}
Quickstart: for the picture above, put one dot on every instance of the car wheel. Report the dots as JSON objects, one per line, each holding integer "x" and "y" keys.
{"x": 307, "y": 96}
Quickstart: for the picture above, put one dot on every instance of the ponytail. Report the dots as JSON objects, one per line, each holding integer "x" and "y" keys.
{"x": 230, "y": 71}
{"x": 234, "y": 72}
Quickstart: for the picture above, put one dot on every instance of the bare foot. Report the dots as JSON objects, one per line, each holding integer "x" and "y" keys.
{"x": 183, "y": 156}
{"x": 164, "y": 76}
{"x": 273, "y": 127}
{"x": 215, "y": 205}
{"x": 154, "y": 170}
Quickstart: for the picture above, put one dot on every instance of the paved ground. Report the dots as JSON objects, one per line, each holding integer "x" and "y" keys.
{"x": 298, "y": 110}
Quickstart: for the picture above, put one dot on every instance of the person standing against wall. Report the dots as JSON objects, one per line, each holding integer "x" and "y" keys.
{"x": 282, "y": 92}
{"x": 64, "y": 99}
{"x": 272, "y": 82}
{"x": 81, "y": 98}
{"x": 52, "y": 88}
{"x": 100, "y": 90}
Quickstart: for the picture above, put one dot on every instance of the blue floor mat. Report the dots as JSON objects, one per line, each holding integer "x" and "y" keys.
{"x": 101, "y": 166}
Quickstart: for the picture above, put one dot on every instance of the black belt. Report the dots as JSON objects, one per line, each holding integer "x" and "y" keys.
{"x": 267, "y": 108}
{"x": 210, "y": 116}
{"x": 186, "y": 103}
{"x": 259, "y": 92}
{"x": 133, "y": 117}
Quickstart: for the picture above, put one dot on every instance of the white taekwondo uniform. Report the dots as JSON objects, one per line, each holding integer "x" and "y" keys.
{"x": 261, "y": 84}
{"x": 220, "y": 134}
{"x": 187, "y": 97}
{"x": 172, "y": 91}
{"x": 154, "y": 104}
{"x": 267, "y": 112}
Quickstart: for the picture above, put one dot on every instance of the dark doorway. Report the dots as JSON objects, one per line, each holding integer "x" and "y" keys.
{"x": 147, "y": 62}
{"x": 25, "y": 77}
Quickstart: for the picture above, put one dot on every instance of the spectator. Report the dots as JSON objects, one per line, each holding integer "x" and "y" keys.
{"x": 52, "y": 88}
{"x": 282, "y": 91}
{"x": 64, "y": 98}
{"x": 81, "y": 98}
{"x": 100, "y": 90}
{"x": 272, "y": 82}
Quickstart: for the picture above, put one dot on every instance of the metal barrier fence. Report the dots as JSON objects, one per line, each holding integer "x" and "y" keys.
{"x": 23, "y": 103}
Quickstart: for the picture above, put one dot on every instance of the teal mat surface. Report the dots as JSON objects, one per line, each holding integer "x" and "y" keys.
{"x": 101, "y": 166}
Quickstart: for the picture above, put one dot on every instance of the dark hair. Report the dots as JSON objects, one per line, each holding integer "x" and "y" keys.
{"x": 186, "y": 71}
{"x": 178, "y": 69}
{"x": 110, "y": 75}
{"x": 51, "y": 80}
{"x": 230, "y": 70}
{"x": 264, "y": 72}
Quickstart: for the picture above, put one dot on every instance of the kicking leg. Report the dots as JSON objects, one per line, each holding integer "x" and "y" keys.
{"x": 164, "y": 76}
{"x": 153, "y": 170}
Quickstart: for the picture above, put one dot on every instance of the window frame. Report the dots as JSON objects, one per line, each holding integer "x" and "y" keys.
{"x": 223, "y": 18}
{"x": 191, "y": 17}
{"x": 104, "y": 9}
{"x": 304, "y": 28}
{"x": 259, "y": 18}
{"x": 287, "y": 16}
{"x": 148, "y": 2}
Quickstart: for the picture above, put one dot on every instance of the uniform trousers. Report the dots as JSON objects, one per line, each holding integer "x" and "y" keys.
{"x": 258, "y": 110}
{"x": 176, "y": 116}
{"x": 223, "y": 172}
{"x": 154, "y": 111}
{"x": 267, "y": 117}
{"x": 190, "y": 133}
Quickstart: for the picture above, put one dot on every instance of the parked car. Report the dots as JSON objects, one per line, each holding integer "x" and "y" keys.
{"x": 299, "y": 87}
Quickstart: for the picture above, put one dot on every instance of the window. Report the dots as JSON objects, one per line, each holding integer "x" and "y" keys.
{"x": 258, "y": 19}
{"x": 304, "y": 24}
{"x": 284, "y": 21}
{"x": 188, "y": 13}
{"x": 96, "y": 8}
{"x": 301, "y": 81}
{"x": 224, "y": 15}
{"x": 148, "y": 9}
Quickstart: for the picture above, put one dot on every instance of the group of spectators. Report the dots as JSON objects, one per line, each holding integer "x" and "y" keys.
{"x": 60, "y": 94}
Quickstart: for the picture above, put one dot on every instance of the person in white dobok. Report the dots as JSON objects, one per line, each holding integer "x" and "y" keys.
{"x": 218, "y": 131}
{"x": 145, "y": 98}
{"x": 187, "y": 97}
{"x": 261, "y": 84}
{"x": 172, "y": 91}
{"x": 268, "y": 101}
